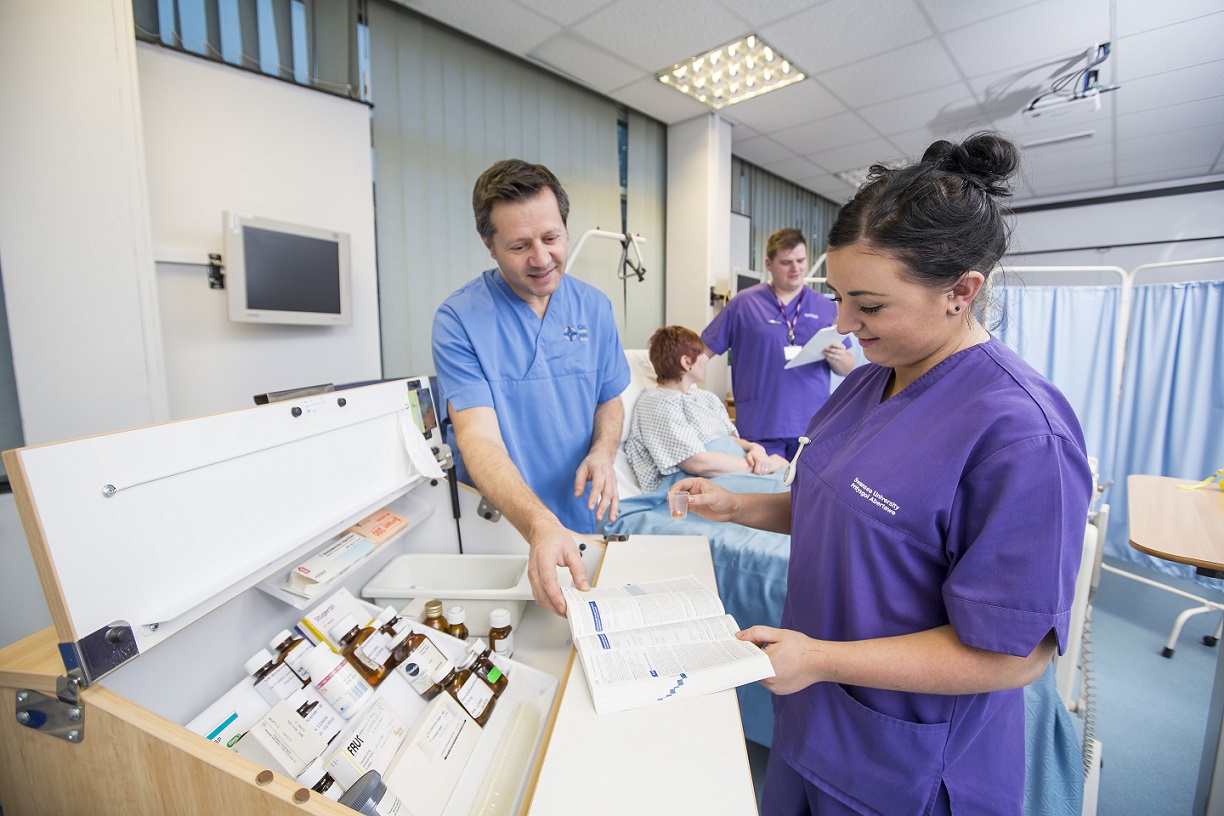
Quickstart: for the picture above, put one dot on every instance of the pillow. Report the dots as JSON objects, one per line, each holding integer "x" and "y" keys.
{"x": 641, "y": 377}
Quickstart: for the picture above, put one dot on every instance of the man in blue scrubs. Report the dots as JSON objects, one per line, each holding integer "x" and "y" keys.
{"x": 531, "y": 366}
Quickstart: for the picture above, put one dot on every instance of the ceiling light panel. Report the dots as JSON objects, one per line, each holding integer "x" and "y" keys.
{"x": 731, "y": 73}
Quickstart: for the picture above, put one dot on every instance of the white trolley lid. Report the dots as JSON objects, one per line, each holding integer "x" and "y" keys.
{"x": 137, "y": 534}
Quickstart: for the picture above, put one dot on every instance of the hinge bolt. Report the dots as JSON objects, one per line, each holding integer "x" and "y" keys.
{"x": 22, "y": 697}
{"x": 23, "y": 717}
{"x": 74, "y": 736}
{"x": 74, "y": 713}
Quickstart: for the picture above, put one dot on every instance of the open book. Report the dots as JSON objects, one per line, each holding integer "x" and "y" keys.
{"x": 645, "y": 643}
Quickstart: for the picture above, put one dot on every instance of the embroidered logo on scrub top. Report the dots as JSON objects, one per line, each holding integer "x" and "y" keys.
{"x": 874, "y": 496}
{"x": 576, "y": 333}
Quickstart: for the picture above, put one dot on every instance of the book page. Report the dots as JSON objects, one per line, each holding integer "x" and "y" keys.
{"x": 662, "y": 664}
{"x": 694, "y": 631}
{"x": 611, "y": 609}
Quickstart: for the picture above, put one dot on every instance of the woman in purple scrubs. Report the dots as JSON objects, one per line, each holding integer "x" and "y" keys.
{"x": 939, "y": 503}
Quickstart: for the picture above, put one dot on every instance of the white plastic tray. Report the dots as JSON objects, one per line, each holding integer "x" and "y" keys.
{"x": 478, "y": 583}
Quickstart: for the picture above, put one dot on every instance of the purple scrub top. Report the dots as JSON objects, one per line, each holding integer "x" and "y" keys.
{"x": 771, "y": 401}
{"x": 963, "y": 500}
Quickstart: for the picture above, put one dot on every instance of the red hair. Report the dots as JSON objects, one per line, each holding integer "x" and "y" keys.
{"x": 668, "y": 345}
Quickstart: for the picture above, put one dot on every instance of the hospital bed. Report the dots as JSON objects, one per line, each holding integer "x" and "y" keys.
{"x": 1062, "y": 754}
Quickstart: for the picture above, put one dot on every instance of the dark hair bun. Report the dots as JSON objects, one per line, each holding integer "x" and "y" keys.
{"x": 986, "y": 160}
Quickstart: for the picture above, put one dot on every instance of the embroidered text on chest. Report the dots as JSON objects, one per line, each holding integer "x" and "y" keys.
{"x": 578, "y": 332}
{"x": 874, "y": 496}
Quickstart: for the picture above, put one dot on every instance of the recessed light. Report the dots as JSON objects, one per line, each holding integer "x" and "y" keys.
{"x": 732, "y": 73}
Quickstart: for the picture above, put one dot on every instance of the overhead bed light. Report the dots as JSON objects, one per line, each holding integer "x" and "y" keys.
{"x": 732, "y": 73}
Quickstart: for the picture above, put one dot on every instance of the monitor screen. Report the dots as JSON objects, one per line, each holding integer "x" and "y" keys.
{"x": 277, "y": 272}
{"x": 743, "y": 281}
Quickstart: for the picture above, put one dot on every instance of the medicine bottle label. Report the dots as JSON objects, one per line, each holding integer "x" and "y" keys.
{"x": 419, "y": 667}
{"x": 278, "y": 684}
{"x": 343, "y": 688}
{"x": 474, "y": 695}
{"x": 375, "y": 649}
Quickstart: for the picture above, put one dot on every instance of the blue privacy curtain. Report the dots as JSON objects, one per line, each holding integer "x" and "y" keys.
{"x": 1169, "y": 419}
{"x": 1172, "y": 409}
{"x": 1068, "y": 333}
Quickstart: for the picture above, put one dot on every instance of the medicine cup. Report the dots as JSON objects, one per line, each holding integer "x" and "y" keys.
{"x": 677, "y": 503}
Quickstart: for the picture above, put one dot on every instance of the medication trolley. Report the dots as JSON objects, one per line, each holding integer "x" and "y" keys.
{"x": 165, "y": 553}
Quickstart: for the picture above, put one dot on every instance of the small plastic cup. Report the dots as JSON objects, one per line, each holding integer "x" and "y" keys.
{"x": 677, "y": 503}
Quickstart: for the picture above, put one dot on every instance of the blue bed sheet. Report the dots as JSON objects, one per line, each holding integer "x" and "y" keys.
{"x": 750, "y": 566}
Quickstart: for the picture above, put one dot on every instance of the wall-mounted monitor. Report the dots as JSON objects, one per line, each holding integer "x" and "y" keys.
{"x": 278, "y": 272}
{"x": 745, "y": 278}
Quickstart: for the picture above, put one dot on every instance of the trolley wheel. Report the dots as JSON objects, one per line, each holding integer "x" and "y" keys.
{"x": 1166, "y": 652}
{"x": 1210, "y": 640}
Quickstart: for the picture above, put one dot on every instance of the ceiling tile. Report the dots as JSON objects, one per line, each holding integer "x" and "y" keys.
{"x": 675, "y": 31}
{"x": 892, "y": 76}
{"x": 1135, "y": 16}
{"x": 1186, "y": 142}
{"x": 567, "y": 13}
{"x": 586, "y": 63}
{"x": 937, "y": 110}
{"x": 1202, "y": 82}
{"x": 949, "y": 15}
{"x": 652, "y": 98}
{"x": 508, "y": 25}
{"x": 1170, "y": 48}
{"x": 761, "y": 150}
{"x": 852, "y": 157}
{"x": 786, "y": 107}
{"x": 840, "y": 32}
{"x": 835, "y": 131}
{"x": 1172, "y": 118}
{"x": 758, "y": 13}
{"x": 794, "y": 167}
{"x": 1049, "y": 31}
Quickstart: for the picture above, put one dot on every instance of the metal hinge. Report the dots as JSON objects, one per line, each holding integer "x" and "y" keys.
{"x": 487, "y": 511}
{"x": 60, "y": 716}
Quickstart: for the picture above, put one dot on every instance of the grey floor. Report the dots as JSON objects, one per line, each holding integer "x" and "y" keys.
{"x": 1150, "y": 710}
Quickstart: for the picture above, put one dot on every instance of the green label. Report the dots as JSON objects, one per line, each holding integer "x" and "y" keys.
{"x": 494, "y": 674}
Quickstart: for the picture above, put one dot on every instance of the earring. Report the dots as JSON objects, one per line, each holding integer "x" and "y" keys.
{"x": 956, "y": 309}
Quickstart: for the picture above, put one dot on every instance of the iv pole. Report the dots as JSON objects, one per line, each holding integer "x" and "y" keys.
{"x": 625, "y": 239}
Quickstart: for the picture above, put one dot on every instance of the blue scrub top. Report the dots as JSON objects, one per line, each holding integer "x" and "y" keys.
{"x": 961, "y": 500}
{"x": 544, "y": 378}
{"x": 772, "y": 401}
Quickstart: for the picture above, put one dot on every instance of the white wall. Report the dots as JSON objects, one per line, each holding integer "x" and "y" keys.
{"x": 1126, "y": 234}
{"x": 74, "y": 220}
{"x": 222, "y": 139}
{"x": 95, "y": 349}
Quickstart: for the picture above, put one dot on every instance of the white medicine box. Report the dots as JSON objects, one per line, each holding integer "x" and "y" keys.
{"x": 165, "y": 555}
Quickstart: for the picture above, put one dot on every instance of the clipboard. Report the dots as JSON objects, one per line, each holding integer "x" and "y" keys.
{"x": 812, "y": 351}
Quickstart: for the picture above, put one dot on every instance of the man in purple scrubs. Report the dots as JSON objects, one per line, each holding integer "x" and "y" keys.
{"x": 937, "y": 513}
{"x": 765, "y": 326}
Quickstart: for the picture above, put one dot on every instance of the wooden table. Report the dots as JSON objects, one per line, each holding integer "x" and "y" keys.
{"x": 1187, "y": 526}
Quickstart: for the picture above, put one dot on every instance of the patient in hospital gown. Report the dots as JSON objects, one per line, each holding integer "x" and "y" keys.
{"x": 679, "y": 429}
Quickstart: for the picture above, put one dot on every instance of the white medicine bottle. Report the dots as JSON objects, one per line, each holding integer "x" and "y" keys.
{"x": 291, "y": 648}
{"x": 274, "y": 680}
{"x": 336, "y": 680}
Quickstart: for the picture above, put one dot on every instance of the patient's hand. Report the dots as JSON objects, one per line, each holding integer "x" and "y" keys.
{"x": 760, "y": 462}
{"x": 775, "y": 462}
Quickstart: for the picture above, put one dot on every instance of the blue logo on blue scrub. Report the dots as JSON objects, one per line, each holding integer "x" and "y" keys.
{"x": 576, "y": 333}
